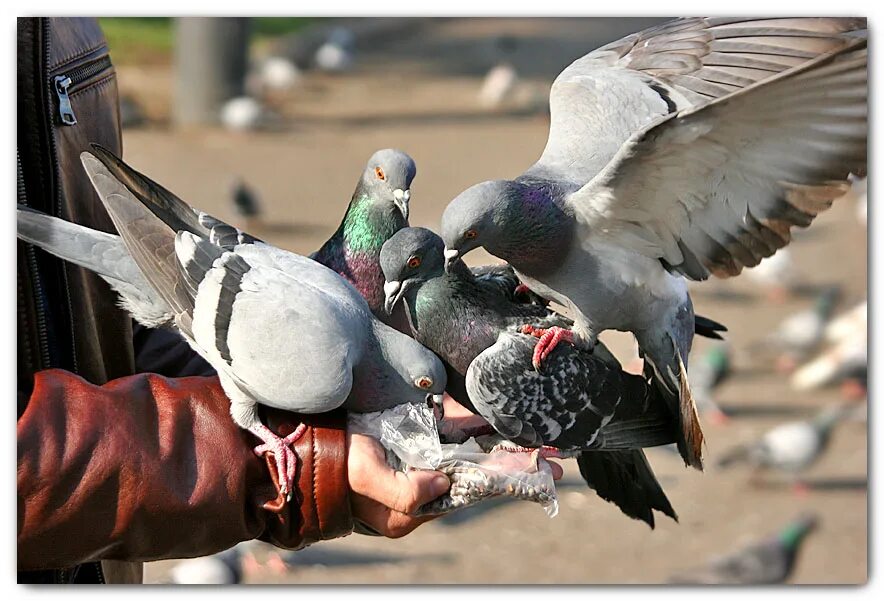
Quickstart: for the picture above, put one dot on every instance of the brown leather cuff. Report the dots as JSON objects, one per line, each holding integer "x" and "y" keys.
{"x": 147, "y": 468}
{"x": 321, "y": 480}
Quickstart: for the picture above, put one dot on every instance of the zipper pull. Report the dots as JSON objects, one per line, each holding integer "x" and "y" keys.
{"x": 65, "y": 111}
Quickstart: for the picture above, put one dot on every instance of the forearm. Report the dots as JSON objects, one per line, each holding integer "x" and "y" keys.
{"x": 147, "y": 468}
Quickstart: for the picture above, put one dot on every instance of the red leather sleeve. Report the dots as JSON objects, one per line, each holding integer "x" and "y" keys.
{"x": 147, "y": 468}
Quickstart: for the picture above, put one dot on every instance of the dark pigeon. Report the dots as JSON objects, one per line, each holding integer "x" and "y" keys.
{"x": 575, "y": 405}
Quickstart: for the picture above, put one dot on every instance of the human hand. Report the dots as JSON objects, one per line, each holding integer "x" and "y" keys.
{"x": 384, "y": 498}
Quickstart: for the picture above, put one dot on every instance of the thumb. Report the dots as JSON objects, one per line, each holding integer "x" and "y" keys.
{"x": 405, "y": 492}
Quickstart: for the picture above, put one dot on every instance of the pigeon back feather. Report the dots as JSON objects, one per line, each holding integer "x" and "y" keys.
{"x": 151, "y": 242}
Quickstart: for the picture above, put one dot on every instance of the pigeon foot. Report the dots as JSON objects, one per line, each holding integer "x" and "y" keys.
{"x": 549, "y": 339}
{"x": 545, "y": 452}
{"x": 286, "y": 458}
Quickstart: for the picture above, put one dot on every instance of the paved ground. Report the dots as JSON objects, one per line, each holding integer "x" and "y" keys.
{"x": 417, "y": 92}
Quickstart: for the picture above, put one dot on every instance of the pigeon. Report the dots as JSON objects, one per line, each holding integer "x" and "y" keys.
{"x": 846, "y": 360}
{"x": 244, "y": 113}
{"x": 498, "y": 84}
{"x": 225, "y": 567}
{"x": 850, "y": 324}
{"x": 584, "y": 404}
{"x": 279, "y": 73}
{"x": 378, "y": 209}
{"x": 789, "y": 448}
{"x": 713, "y": 368}
{"x": 685, "y": 150}
{"x": 337, "y": 53}
{"x": 776, "y": 275}
{"x": 246, "y": 204}
{"x": 280, "y": 329}
{"x": 800, "y": 334}
{"x": 769, "y": 561}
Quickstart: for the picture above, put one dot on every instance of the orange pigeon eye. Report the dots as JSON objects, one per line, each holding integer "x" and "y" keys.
{"x": 424, "y": 382}
{"x": 414, "y": 262}
{"x": 380, "y": 173}
{"x": 470, "y": 234}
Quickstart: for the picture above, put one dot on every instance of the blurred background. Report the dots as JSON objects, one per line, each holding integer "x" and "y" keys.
{"x": 268, "y": 122}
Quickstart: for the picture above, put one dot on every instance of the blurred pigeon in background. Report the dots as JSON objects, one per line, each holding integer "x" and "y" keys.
{"x": 791, "y": 447}
{"x": 227, "y": 567}
{"x": 338, "y": 52}
{"x": 583, "y": 401}
{"x": 245, "y": 113}
{"x": 246, "y": 204}
{"x": 622, "y": 208}
{"x": 777, "y": 275}
{"x": 707, "y": 374}
{"x": 800, "y": 334}
{"x": 501, "y": 80}
{"x": 848, "y": 359}
{"x": 278, "y": 74}
{"x": 269, "y": 321}
{"x": 769, "y": 561}
{"x": 845, "y": 360}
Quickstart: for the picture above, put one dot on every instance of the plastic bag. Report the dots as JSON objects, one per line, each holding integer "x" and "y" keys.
{"x": 409, "y": 434}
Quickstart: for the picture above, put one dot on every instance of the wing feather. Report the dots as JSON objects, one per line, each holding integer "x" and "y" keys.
{"x": 726, "y": 181}
{"x": 606, "y": 96}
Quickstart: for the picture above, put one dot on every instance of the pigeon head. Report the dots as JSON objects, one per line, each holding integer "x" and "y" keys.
{"x": 387, "y": 178}
{"x": 517, "y": 222}
{"x": 423, "y": 372}
{"x": 473, "y": 219}
{"x": 413, "y": 255}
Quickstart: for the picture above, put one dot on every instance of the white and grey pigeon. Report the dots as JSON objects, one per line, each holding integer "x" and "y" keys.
{"x": 799, "y": 335}
{"x": 225, "y": 567}
{"x": 280, "y": 329}
{"x": 777, "y": 275}
{"x": 791, "y": 447}
{"x": 684, "y": 150}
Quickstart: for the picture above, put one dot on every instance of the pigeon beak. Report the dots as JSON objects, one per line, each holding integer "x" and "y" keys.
{"x": 450, "y": 257}
{"x": 400, "y": 199}
{"x": 435, "y": 401}
{"x": 392, "y": 293}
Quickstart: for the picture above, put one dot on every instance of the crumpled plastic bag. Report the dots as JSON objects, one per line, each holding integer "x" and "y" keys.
{"x": 411, "y": 438}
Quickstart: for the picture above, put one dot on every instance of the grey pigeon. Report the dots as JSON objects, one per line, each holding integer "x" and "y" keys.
{"x": 770, "y": 561}
{"x": 583, "y": 403}
{"x": 377, "y": 210}
{"x": 686, "y": 149}
{"x": 790, "y": 447}
{"x": 280, "y": 329}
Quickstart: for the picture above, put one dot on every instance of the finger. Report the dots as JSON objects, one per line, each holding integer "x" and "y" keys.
{"x": 453, "y": 408}
{"x": 370, "y": 476}
{"x": 405, "y": 492}
{"x": 385, "y": 521}
{"x": 557, "y": 471}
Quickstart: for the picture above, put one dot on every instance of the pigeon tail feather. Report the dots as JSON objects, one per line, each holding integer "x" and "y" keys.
{"x": 625, "y": 478}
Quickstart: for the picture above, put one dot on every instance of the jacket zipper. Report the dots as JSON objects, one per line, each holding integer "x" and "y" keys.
{"x": 64, "y": 84}
{"x": 53, "y": 150}
{"x": 31, "y": 256}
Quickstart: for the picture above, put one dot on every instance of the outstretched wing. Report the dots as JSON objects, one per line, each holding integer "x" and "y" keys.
{"x": 603, "y": 98}
{"x": 170, "y": 209}
{"x": 717, "y": 188}
{"x": 578, "y": 401}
